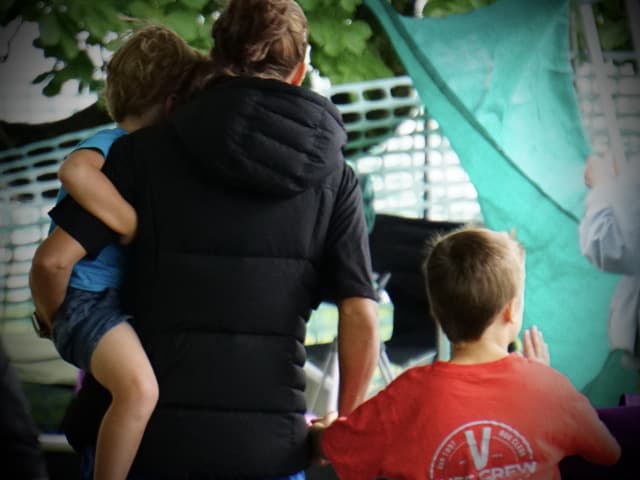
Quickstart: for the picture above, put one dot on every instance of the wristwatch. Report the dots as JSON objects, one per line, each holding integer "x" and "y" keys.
{"x": 41, "y": 329}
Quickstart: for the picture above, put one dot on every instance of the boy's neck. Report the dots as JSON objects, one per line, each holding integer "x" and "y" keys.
{"x": 491, "y": 346}
{"x": 152, "y": 115}
{"x": 130, "y": 124}
{"x": 480, "y": 351}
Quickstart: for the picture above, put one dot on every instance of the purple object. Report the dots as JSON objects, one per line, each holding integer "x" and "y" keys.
{"x": 79, "y": 381}
{"x": 630, "y": 400}
{"x": 624, "y": 423}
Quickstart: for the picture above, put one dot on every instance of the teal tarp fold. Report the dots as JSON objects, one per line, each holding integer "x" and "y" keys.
{"x": 499, "y": 82}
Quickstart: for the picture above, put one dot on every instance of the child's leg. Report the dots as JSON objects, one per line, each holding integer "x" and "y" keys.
{"x": 120, "y": 364}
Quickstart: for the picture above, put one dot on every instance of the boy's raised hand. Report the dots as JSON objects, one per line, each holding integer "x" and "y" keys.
{"x": 534, "y": 347}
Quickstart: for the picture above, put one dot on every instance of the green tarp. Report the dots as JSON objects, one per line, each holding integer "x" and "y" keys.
{"x": 498, "y": 80}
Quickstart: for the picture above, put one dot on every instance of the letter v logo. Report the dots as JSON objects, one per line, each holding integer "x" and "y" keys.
{"x": 480, "y": 458}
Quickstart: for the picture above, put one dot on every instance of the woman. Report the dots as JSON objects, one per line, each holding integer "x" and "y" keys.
{"x": 248, "y": 217}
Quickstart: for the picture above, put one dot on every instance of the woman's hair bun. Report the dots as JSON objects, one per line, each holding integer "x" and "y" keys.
{"x": 265, "y": 38}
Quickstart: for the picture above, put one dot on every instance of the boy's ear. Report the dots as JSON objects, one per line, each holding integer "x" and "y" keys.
{"x": 507, "y": 311}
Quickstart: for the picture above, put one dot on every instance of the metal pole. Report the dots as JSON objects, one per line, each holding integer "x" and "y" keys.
{"x": 604, "y": 85}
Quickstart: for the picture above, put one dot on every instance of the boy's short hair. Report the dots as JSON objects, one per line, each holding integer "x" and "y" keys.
{"x": 153, "y": 63}
{"x": 471, "y": 274}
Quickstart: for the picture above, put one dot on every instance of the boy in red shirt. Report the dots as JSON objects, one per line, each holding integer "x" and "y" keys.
{"x": 485, "y": 414}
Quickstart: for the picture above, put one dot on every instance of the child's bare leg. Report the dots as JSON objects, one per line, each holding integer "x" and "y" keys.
{"x": 120, "y": 364}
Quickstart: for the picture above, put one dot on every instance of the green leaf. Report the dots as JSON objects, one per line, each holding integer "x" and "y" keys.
{"x": 49, "y": 30}
{"x": 185, "y": 23}
{"x": 308, "y": 5}
{"x": 115, "y": 43}
{"x": 69, "y": 47}
{"x": 96, "y": 85}
{"x": 479, "y": 3}
{"x": 355, "y": 36}
{"x": 53, "y": 52}
{"x": 144, "y": 10}
{"x": 82, "y": 65}
{"x": 101, "y": 19}
{"x": 331, "y": 8}
{"x": 194, "y": 4}
{"x": 42, "y": 77}
{"x": 77, "y": 13}
{"x": 326, "y": 33}
{"x": 80, "y": 68}
{"x": 334, "y": 36}
{"x": 52, "y": 88}
{"x": 349, "y": 67}
{"x": 97, "y": 26}
{"x": 349, "y": 6}
{"x": 202, "y": 41}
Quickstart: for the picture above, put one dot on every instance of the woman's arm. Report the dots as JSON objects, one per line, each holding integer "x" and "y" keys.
{"x": 82, "y": 177}
{"x": 358, "y": 350}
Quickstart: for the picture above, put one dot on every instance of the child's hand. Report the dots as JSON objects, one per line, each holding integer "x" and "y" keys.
{"x": 127, "y": 239}
{"x": 325, "y": 421}
{"x": 318, "y": 426}
{"x": 535, "y": 347}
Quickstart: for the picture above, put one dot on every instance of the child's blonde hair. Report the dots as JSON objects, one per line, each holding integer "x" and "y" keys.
{"x": 471, "y": 274}
{"x": 153, "y": 63}
{"x": 262, "y": 38}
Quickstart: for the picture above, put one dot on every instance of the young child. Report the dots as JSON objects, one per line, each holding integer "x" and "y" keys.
{"x": 146, "y": 77}
{"x": 485, "y": 414}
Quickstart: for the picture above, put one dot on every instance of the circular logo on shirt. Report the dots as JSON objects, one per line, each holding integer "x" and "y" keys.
{"x": 483, "y": 450}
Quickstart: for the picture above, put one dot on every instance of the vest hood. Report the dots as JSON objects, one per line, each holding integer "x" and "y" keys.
{"x": 262, "y": 135}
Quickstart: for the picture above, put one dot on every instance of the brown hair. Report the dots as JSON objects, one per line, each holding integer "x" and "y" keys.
{"x": 471, "y": 274}
{"x": 153, "y": 63}
{"x": 262, "y": 38}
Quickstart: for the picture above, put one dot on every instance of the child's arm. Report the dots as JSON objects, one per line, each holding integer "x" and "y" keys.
{"x": 593, "y": 440}
{"x": 356, "y": 446}
{"x": 81, "y": 176}
{"x": 318, "y": 426}
{"x": 50, "y": 271}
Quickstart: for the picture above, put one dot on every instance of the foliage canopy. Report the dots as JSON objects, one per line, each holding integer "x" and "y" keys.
{"x": 347, "y": 43}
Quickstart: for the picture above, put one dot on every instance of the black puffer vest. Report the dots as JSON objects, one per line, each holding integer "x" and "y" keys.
{"x": 234, "y": 198}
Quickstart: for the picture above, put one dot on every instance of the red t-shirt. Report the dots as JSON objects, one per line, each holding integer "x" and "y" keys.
{"x": 508, "y": 419}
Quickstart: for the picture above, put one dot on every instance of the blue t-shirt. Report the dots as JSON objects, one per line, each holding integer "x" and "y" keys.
{"x": 107, "y": 269}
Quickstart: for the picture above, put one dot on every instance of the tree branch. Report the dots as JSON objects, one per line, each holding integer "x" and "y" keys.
{"x": 5, "y": 57}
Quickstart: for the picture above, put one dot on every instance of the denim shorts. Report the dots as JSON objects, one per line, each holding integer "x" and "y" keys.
{"x": 82, "y": 321}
